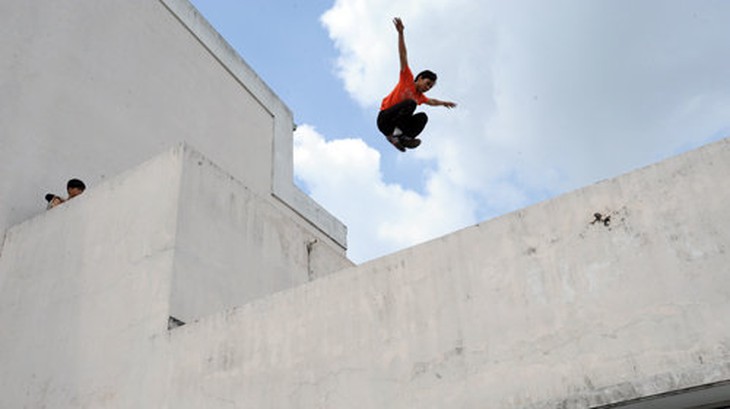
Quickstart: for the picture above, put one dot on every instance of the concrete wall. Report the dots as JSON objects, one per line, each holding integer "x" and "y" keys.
{"x": 84, "y": 296}
{"x": 233, "y": 246}
{"x": 536, "y": 309}
{"x": 87, "y": 288}
{"x": 541, "y": 308}
{"x": 91, "y": 88}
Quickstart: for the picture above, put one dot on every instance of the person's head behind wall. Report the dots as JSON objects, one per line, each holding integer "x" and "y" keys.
{"x": 75, "y": 187}
{"x": 53, "y": 200}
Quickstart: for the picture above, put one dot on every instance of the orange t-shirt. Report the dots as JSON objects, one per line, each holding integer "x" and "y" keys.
{"x": 405, "y": 89}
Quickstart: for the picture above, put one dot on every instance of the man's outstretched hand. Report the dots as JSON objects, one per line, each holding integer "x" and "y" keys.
{"x": 398, "y": 24}
{"x": 439, "y": 103}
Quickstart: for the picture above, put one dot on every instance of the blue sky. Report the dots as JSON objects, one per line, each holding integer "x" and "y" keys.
{"x": 553, "y": 95}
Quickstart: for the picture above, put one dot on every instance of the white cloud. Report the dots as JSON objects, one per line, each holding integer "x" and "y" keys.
{"x": 344, "y": 175}
{"x": 553, "y": 95}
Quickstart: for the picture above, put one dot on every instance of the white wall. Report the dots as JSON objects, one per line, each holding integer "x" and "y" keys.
{"x": 86, "y": 288}
{"x": 91, "y": 88}
{"x": 536, "y": 309}
{"x": 84, "y": 296}
{"x": 232, "y": 245}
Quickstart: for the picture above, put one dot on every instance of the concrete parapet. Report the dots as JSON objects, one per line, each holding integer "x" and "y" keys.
{"x": 233, "y": 246}
{"x": 84, "y": 295}
{"x": 609, "y": 296}
{"x": 547, "y": 307}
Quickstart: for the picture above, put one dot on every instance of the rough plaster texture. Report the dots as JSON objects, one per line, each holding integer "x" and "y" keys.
{"x": 536, "y": 309}
{"x": 84, "y": 292}
{"x": 91, "y": 88}
{"x": 86, "y": 288}
{"x": 225, "y": 227}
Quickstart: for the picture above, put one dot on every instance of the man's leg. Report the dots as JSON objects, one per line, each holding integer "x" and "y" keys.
{"x": 386, "y": 126}
{"x": 413, "y": 126}
{"x": 396, "y": 116}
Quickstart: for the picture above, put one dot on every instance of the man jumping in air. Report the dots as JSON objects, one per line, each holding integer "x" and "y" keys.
{"x": 396, "y": 119}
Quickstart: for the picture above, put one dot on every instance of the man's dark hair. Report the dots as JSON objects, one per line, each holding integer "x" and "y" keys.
{"x": 75, "y": 184}
{"x": 427, "y": 74}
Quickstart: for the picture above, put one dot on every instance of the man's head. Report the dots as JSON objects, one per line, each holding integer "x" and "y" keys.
{"x": 75, "y": 187}
{"x": 425, "y": 80}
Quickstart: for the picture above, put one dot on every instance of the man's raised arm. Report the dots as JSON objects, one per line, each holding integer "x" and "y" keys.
{"x": 401, "y": 43}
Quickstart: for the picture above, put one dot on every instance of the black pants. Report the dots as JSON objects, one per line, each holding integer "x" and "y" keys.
{"x": 401, "y": 116}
